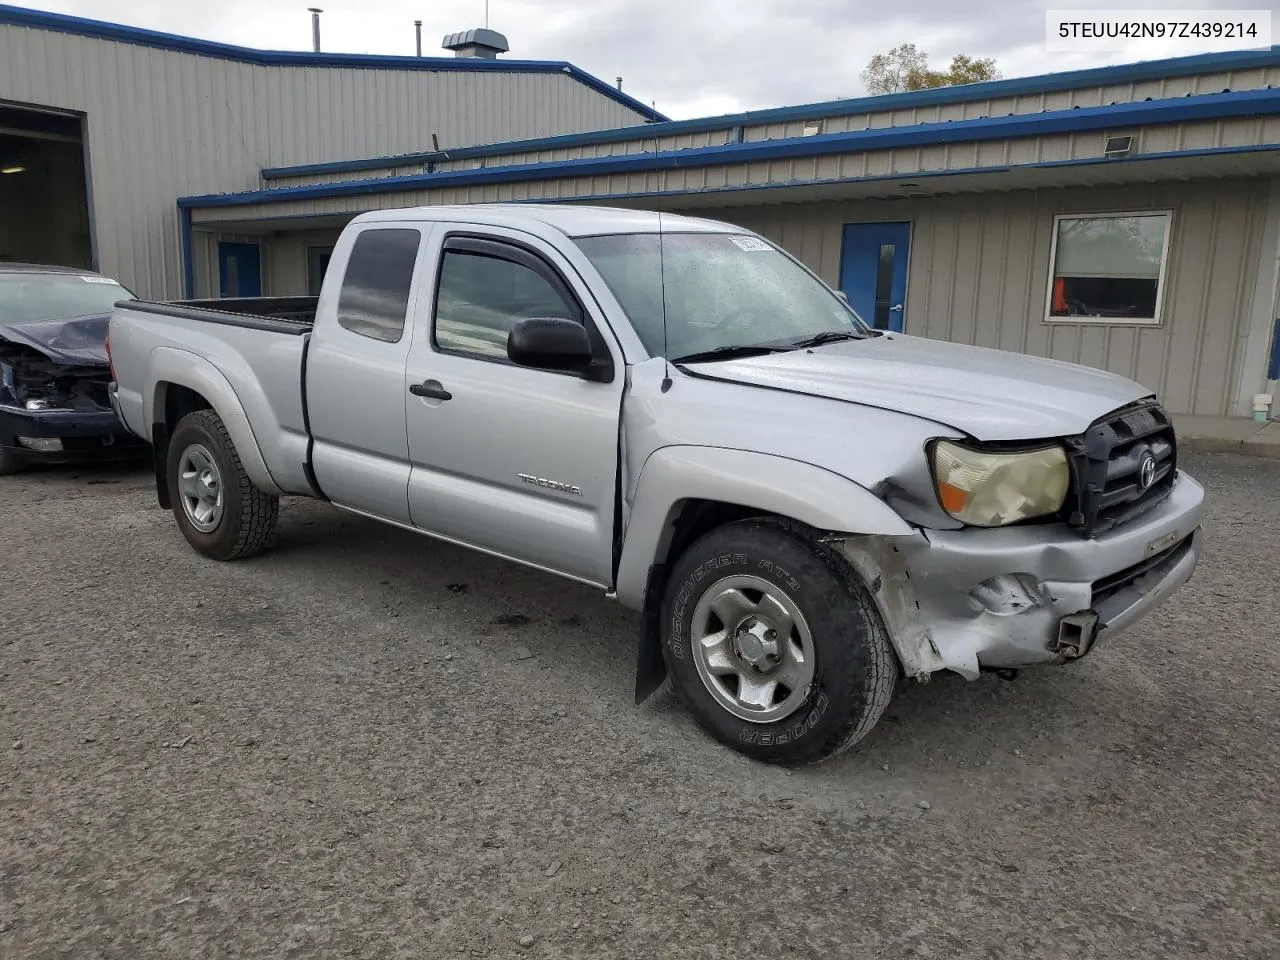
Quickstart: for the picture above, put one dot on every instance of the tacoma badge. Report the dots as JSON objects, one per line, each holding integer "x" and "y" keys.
{"x": 551, "y": 484}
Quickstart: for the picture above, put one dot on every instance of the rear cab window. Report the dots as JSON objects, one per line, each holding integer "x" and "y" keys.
{"x": 374, "y": 299}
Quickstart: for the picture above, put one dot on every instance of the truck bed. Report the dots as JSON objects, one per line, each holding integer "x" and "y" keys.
{"x": 250, "y": 352}
{"x": 290, "y": 315}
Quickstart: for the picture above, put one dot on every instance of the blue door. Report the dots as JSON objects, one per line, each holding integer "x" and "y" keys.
{"x": 239, "y": 270}
{"x": 873, "y": 272}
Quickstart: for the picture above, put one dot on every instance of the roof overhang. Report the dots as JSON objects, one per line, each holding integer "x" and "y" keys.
{"x": 1005, "y": 152}
{"x": 1175, "y": 166}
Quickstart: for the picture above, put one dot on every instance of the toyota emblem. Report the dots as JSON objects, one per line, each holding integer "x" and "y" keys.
{"x": 1146, "y": 472}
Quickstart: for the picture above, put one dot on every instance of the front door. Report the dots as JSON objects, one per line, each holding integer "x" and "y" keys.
{"x": 873, "y": 272}
{"x": 515, "y": 461}
{"x": 239, "y": 269}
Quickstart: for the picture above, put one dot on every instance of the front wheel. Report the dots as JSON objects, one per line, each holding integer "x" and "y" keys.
{"x": 774, "y": 644}
{"x": 218, "y": 509}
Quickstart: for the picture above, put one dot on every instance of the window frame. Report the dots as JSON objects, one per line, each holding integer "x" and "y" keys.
{"x": 1158, "y": 319}
{"x": 525, "y": 255}
{"x": 406, "y": 324}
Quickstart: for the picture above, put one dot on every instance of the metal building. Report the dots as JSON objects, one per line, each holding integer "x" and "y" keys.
{"x": 103, "y": 127}
{"x": 1124, "y": 217}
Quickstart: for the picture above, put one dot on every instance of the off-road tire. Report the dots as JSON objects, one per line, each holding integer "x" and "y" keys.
{"x": 856, "y": 669}
{"x": 248, "y": 522}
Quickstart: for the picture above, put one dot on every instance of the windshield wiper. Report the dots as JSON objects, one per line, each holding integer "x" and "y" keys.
{"x": 827, "y": 336}
{"x": 732, "y": 353}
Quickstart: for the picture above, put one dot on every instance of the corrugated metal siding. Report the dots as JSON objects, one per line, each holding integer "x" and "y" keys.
{"x": 844, "y": 123}
{"x": 888, "y": 165}
{"x": 163, "y": 124}
{"x": 979, "y": 272}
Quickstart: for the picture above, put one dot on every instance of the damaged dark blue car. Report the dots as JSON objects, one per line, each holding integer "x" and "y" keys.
{"x": 54, "y": 369}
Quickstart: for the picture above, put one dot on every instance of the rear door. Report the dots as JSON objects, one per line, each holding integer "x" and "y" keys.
{"x": 355, "y": 368}
{"x": 515, "y": 461}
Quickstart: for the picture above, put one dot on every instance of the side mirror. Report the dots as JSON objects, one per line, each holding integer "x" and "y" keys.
{"x": 550, "y": 343}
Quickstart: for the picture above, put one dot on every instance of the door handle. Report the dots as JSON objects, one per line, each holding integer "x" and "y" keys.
{"x": 895, "y": 308}
{"x": 431, "y": 389}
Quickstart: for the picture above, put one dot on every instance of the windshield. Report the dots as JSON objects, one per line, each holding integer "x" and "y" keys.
{"x": 55, "y": 296}
{"x": 723, "y": 291}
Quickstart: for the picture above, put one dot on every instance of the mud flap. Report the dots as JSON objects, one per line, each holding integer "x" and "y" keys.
{"x": 160, "y": 463}
{"x": 651, "y": 669}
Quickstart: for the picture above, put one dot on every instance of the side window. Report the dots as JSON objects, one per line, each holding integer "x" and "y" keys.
{"x": 481, "y": 297}
{"x": 1108, "y": 268}
{"x": 375, "y": 288}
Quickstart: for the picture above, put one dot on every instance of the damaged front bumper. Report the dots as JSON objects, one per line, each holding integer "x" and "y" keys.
{"x": 65, "y": 436}
{"x": 974, "y": 599}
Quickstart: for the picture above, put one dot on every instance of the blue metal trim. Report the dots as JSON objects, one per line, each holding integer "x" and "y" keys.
{"x": 995, "y": 89}
{"x": 188, "y": 252}
{"x": 1274, "y": 372}
{"x": 102, "y": 30}
{"x": 835, "y": 181}
{"x": 1209, "y": 107}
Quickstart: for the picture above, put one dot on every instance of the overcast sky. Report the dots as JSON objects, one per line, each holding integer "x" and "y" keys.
{"x": 691, "y": 57}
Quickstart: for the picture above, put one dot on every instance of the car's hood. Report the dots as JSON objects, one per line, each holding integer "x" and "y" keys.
{"x": 79, "y": 341}
{"x": 989, "y": 394}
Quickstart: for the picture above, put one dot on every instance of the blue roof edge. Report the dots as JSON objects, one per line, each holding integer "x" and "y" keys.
{"x": 104, "y": 30}
{"x": 992, "y": 89}
{"x": 1264, "y": 102}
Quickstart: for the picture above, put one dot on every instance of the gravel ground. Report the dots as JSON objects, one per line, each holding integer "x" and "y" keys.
{"x": 370, "y": 744}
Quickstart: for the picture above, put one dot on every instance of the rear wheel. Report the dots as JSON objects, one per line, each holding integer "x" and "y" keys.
{"x": 774, "y": 644}
{"x": 217, "y": 507}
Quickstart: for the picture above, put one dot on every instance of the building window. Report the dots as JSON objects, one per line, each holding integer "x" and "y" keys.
{"x": 481, "y": 298}
{"x": 1108, "y": 268}
{"x": 375, "y": 288}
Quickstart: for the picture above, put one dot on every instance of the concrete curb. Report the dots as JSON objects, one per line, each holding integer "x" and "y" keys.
{"x": 1249, "y": 448}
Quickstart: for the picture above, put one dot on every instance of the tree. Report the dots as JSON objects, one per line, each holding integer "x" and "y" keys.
{"x": 906, "y": 67}
{"x": 890, "y": 72}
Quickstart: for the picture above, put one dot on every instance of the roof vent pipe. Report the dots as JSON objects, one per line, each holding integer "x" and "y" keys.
{"x": 417, "y": 34}
{"x": 481, "y": 42}
{"x": 619, "y": 83}
{"x": 315, "y": 28}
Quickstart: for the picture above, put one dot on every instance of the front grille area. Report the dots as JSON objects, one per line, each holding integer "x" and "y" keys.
{"x": 1108, "y": 485}
{"x": 1110, "y": 586}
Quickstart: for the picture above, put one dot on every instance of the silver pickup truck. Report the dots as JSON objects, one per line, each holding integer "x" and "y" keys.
{"x": 674, "y": 410}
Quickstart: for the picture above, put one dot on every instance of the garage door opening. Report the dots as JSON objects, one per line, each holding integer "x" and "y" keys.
{"x": 44, "y": 198}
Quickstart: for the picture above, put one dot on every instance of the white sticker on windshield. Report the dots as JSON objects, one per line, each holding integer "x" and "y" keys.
{"x": 99, "y": 280}
{"x": 751, "y": 244}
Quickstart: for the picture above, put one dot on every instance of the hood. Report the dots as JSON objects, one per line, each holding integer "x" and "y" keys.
{"x": 78, "y": 341}
{"x": 991, "y": 395}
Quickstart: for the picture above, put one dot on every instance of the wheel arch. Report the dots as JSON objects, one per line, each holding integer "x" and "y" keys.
{"x": 185, "y": 383}
{"x": 685, "y": 492}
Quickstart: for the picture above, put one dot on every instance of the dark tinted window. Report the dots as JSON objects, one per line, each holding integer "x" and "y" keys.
{"x": 375, "y": 289}
{"x": 482, "y": 297}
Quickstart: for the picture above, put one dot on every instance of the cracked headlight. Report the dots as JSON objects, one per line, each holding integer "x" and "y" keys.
{"x": 994, "y": 489}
